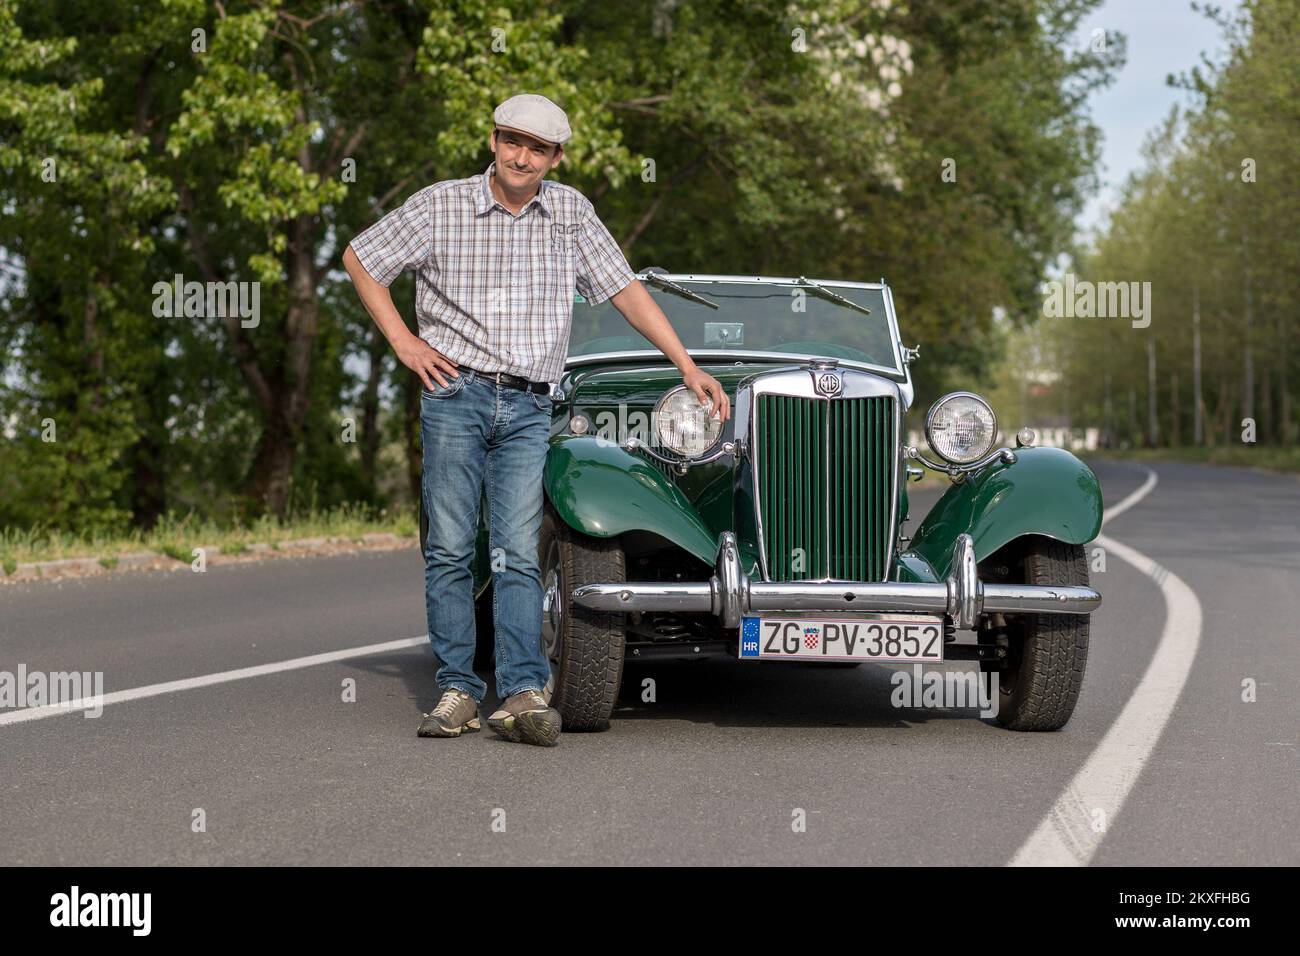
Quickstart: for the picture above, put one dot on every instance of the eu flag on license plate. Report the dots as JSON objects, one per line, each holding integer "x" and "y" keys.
{"x": 749, "y": 637}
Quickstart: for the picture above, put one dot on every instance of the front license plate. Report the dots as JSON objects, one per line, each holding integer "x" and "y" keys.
{"x": 885, "y": 638}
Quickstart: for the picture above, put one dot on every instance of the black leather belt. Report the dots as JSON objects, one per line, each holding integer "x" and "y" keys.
{"x": 514, "y": 381}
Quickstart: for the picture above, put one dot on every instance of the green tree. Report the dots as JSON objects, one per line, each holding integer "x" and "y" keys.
{"x": 1210, "y": 222}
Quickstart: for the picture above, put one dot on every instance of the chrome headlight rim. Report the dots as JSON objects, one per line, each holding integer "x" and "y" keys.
{"x": 976, "y": 460}
{"x": 656, "y": 417}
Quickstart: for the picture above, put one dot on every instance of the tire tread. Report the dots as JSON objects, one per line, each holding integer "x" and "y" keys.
{"x": 592, "y": 659}
{"x": 1055, "y": 652}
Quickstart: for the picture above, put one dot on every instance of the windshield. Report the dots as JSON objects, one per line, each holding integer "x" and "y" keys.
{"x": 775, "y": 315}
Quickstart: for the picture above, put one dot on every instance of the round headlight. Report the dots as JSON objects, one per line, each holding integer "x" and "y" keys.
{"x": 961, "y": 428}
{"x": 683, "y": 425}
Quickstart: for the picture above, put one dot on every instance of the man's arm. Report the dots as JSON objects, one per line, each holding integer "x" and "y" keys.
{"x": 644, "y": 315}
{"x": 602, "y": 268}
{"x": 412, "y": 351}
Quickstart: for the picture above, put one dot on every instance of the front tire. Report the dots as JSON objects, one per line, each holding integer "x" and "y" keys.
{"x": 1046, "y": 653}
{"x": 585, "y": 647}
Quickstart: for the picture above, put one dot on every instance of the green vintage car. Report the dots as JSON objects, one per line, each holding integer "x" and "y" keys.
{"x": 782, "y": 536}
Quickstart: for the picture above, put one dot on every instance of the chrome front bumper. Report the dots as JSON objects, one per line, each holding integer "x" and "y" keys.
{"x": 731, "y": 594}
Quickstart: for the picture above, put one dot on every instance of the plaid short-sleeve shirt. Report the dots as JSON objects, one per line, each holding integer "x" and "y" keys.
{"x": 494, "y": 291}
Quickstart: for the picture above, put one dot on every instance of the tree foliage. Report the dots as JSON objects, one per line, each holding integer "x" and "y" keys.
{"x": 1211, "y": 224}
{"x": 249, "y": 140}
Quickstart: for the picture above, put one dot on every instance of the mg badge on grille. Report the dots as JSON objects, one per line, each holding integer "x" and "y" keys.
{"x": 827, "y": 383}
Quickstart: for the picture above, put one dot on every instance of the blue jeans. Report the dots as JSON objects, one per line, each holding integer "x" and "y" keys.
{"x": 479, "y": 435}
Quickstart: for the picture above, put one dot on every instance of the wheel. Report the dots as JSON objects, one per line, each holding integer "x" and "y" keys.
{"x": 585, "y": 647}
{"x": 1046, "y": 653}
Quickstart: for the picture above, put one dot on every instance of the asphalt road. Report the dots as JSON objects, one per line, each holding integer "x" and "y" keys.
{"x": 712, "y": 772}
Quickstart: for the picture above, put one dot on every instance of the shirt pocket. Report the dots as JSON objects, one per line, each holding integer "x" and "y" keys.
{"x": 558, "y": 265}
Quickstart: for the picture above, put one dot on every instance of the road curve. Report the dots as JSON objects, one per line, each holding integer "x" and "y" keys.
{"x": 714, "y": 770}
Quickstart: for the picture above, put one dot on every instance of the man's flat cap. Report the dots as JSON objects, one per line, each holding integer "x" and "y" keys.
{"x": 535, "y": 115}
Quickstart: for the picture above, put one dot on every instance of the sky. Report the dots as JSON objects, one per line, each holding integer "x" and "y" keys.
{"x": 1164, "y": 36}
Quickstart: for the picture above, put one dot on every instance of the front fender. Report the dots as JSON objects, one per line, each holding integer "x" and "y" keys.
{"x": 1047, "y": 491}
{"x": 599, "y": 489}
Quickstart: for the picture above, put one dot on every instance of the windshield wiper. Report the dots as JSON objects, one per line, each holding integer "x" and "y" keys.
{"x": 822, "y": 292}
{"x": 656, "y": 279}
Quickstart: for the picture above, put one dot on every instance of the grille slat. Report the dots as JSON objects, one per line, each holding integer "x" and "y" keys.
{"x": 872, "y": 514}
{"x": 825, "y": 482}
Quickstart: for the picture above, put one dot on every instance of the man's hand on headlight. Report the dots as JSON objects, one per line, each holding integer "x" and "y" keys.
{"x": 708, "y": 389}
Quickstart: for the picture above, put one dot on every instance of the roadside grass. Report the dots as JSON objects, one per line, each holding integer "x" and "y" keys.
{"x": 1269, "y": 457}
{"x": 177, "y": 536}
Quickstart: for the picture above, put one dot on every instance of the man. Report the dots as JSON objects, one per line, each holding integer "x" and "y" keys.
{"x": 497, "y": 258}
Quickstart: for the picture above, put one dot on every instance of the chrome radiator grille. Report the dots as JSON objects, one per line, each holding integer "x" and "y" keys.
{"x": 825, "y": 471}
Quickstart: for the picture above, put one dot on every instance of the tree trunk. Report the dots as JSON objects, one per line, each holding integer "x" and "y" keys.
{"x": 272, "y": 470}
{"x": 1153, "y": 421}
{"x": 1065, "y": 407}
{"x": 1134, "y": 429}
{"x": 148, "y": 491}
{"x": 1174, "y": 439}
{"x": 1225, "y": 408}
{"x": 302, "y": 324}
{"x": 148, "y": 457}
{"x": 1024, "y": 397}
{"x": 286, "y": 413}
{"x": 1283, "y": 384}
{"x": 1248, "y": 371}
{"x": 1267, "y": 422}
{"x": 1198, "y": 397}
{"x": 1107, "y": 414}
{"x": 94, "y": 347}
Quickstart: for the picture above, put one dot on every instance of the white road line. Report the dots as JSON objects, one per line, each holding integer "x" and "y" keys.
{"x": 1072, "y": 830}
{"x": 1147, "y": 487}
{"x": 207, "y": 680}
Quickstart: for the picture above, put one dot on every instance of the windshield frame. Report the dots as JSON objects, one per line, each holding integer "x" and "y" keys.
{"x": 899, "y": 372}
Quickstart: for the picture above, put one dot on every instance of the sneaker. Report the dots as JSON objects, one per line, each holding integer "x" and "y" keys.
{"x": 525, "y": 718}
{"x": 455, "y": 714}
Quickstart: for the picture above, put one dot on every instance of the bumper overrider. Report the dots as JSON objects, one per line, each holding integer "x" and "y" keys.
{"x": 731, "y": 594}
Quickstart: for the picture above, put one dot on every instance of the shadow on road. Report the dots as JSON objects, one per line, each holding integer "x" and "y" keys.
{"x": 732, "y": 693}
{"x": 718, "y": 692}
